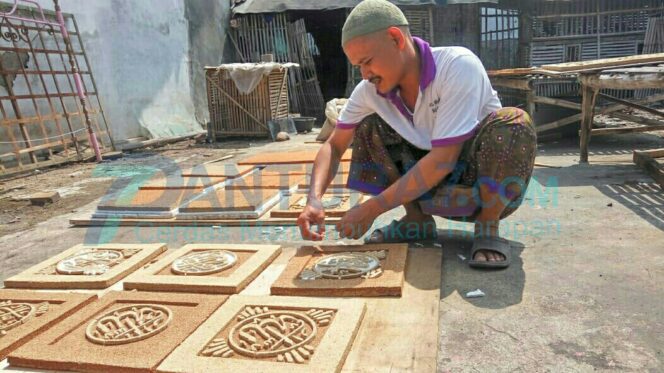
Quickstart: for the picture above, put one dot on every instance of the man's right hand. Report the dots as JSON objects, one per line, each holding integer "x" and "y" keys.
{"x": 313, "y": 214}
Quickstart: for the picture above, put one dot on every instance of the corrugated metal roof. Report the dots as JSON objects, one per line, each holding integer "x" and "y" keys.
{"x": 276, "y": 6}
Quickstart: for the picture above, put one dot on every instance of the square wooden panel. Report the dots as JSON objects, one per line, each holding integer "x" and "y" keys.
{"x": 315, "y": 335}
{"x": 230, "y": 204}
{"x": 304, "y": 156}
{"x": 216, "y": 170}
{"x": 265, "y": 180}
{"x": 385, "y": 279}
{"x": 123, "y": 331}
{"x": 205, "y": 268}
{"x": 178, "y": 182}
{"x": 335, "y": 204}
{"x": 25, "y": 313}
{"x": 87, "y": 267}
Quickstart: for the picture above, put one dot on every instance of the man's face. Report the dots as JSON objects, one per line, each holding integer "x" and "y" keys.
{"x": 379, "y": 58}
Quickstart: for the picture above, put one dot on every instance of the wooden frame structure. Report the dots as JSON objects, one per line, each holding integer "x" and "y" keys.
{"x": 596, "y": 80}
{"x": 49, "y": 103}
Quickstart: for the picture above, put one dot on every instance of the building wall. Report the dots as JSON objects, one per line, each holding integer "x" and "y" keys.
{"x": 147, "y": 57}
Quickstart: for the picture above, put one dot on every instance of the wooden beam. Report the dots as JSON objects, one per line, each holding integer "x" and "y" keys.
{"x": 557, "y": 102}
{"x": 587, "y": 113}
{"x": 622, "y": 80}
{"x": 635, "y": 119}
{"x": 518, "y": 84}
{"x": 631, "y": 104}
{"x": 617, "y": 130}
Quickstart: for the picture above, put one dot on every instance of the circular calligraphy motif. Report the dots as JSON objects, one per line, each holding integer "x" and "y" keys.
{"x": 272, "y": 333}
{"x": 128, "y": 324}
{"x": 346, "y": 265}
{"x": 93, "y": 262}
{"x": 204, "y": 262}
{"x": 14, "y": 314}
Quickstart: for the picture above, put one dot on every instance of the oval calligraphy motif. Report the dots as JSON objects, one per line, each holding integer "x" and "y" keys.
{"x": 14, "y": 314}
{"x": 346, "y": 265}
{"x": 272, "y": 333}
{"x": 128, "y": 324}
{"x": 89, "y": 262}
{"x": 200, "y": 263}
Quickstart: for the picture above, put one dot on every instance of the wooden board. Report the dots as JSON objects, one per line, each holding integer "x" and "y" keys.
{"x": 293, "y": 205}
{"x": 305, "y": 156}
{"x": 77, "y": 342}
{"x": 160, "y": 276}
{"x": 149, "y": 201}
{"x": 648, "y": 162}
{"x": 303, "y": 168}
{"x": 605, "y": 63}
{"x": 520, "y": 71}
{"x": 265, "y": 180}
{"x": 216, "y": 170}
{"x": 178, "y": 182}
{"x": 24, "y": 314}
{"x": 388, "y": 280}
{"x": 329, "y": 327}
{"x": 111, "y": 263}
{"x": 263, "y": 221}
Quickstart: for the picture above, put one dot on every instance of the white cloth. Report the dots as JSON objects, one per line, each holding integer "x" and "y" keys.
{"x": 447, "y": 110}
{"x": 247, "y": 76}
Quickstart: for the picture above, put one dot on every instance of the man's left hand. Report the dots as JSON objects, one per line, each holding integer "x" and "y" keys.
{"x": 357, "y": 220}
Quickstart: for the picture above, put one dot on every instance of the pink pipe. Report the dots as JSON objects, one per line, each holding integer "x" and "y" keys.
{"x": 78, "y": 81}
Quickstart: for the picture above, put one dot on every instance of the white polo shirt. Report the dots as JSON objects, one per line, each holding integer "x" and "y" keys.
{"x": 455, "y": 95}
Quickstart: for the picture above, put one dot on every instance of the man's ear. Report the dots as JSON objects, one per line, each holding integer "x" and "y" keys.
{"x": 397, "y": 36}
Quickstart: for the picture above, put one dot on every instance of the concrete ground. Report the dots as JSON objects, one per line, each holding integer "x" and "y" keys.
{"x": 584, "y": 292}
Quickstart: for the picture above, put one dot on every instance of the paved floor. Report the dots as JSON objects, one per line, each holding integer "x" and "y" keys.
{"x": 584, "y": 292}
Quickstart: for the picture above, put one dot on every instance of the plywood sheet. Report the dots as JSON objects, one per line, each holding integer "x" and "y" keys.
{"x": 123, "y": 331}
{"x": 354, "y": 267}
{"x": 205, "y": 268}
{"x": 336, "y": 204}
{"x": 339, "y": 181}
{"x": 216, "y": 170}
{"x": 311, "y": 334}
{"x": 265, "y": 180}
{"x": 87, "y": 267}
{"x": 148, "y": 200}
{"x": 230, "y": 200}
{"x": 303, "y": 168}
{"x": 25, "y": 313}
{"x": 304, "y": 156}
{"x": 178, "y": 182}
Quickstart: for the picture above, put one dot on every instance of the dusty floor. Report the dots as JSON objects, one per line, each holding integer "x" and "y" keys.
{"x": 584, "y": 292}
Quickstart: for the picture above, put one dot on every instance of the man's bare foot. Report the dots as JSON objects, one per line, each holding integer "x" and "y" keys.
{"x": 487, "y": 229}
{"x": 409, "y": 228}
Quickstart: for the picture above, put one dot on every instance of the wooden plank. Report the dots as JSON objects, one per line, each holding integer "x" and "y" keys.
{"x": 622, "y": 81}
{"x": 520, "y": 71}
{"x": 618, "y": 130}
{"x": 557, "y": 102}
{"x": 523, "y": 84}
{"x": 650, "y": 166}
{"x": 172, "y": 222}
{"x": 606, "y": 62}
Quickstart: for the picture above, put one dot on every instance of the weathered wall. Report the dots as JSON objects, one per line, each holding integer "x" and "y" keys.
{"x": 147, "y": 57}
